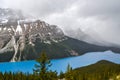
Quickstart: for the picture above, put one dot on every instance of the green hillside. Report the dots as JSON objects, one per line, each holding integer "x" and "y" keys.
{"x": 102, "y": 70}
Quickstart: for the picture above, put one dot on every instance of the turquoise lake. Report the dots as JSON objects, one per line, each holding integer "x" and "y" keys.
{"x": 61, "y": 64}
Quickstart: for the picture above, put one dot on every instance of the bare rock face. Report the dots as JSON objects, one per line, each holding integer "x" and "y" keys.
{"x": 17, "y": 32}
{"x": 14, "y": 37}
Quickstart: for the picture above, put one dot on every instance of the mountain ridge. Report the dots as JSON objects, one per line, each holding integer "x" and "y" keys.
{"x": 24, "y": 39}
{"x": 91, "y": 36}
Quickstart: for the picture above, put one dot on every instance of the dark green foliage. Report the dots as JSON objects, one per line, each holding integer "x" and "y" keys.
{"x": 62, "y": 75}
{"x": 41, "y": 68}
{"x": 102, "y": 70}
{"x": 68, "y": 74}
{"x": 43, "y": 64}
{"x": 6, "y": 56}
{"x": 82, "y": 47}
{"x": 53, "y": 50}
{"x": 62, "y": 49}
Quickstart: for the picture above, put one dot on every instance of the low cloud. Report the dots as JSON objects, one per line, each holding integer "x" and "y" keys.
{"x": 102, "y": 16}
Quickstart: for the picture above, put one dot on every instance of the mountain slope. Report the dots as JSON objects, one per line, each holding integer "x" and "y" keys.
{"x": 90, "y": 36}
{"x": 102, "y": 70}
{"x": 66, "y": 48}
{"x": 24, "y": 39}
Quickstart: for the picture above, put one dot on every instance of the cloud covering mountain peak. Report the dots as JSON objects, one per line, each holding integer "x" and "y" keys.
{"x": 103, "y": 16}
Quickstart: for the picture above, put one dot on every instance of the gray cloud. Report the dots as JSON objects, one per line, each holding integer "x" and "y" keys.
{"x": 39, "y": 8}
{"x": 100, "y": 7}
{"x": 102, "y": 16}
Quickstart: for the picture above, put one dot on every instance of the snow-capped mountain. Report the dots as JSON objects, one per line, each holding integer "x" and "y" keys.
{"x": 22, "y": 38}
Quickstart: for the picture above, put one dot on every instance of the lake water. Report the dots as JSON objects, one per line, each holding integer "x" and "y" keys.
{"x": 61, "y": 64}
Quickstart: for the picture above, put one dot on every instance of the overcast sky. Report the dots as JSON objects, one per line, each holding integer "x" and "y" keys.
{"x": 102, "y": 16}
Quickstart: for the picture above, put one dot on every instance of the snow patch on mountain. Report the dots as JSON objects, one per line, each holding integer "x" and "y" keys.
{"x": 19, "y": 29}
{"x": 23, "y": 32}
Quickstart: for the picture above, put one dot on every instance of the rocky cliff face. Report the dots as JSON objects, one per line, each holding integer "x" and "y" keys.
{"x": 14, "y": 36}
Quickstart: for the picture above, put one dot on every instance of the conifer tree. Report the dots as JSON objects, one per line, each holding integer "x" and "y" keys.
{"x": 41, "y": 68}
{"x": 61, "y": 76}
{"x": 68, "y": 74}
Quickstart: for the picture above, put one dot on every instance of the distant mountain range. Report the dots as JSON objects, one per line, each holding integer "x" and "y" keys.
{"x": 23, "y": 38}
{"x": 90, "y": 36}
